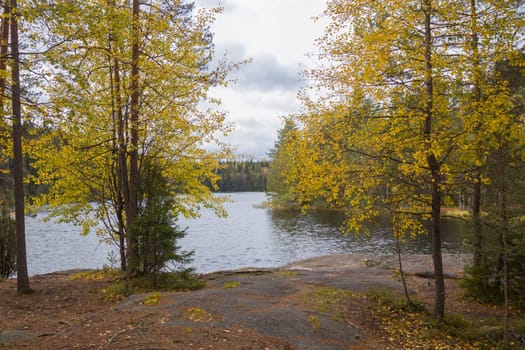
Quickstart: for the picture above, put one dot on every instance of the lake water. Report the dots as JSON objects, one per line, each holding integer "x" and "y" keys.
{"x": 251, "y": 236}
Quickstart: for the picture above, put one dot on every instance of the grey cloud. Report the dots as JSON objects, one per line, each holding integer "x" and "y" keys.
{"x": 265, "y": 73}
{"x": 234, "y": 52}
{"x": 254, "y": 137}
{"x": 254, "y": 143}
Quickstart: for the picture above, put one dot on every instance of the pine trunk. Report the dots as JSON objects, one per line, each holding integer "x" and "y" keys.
{"x": 476, "y": 99}
{"x": 132, "y": 205}
{"x": 18, "y": 161}
{"x": 434, "y": 166}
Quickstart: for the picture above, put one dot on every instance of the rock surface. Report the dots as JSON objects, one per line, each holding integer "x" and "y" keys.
{"x": 266, "y": 301}
{"x": 12, "y": 336}
{"x": 273, "y": 303}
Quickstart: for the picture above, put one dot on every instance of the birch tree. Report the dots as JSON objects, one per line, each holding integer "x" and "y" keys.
{"x": 391, "y": 54}
{"x": 127, "y": 82}
{"x": 392, "y": 145}
{"x": 406, "y": 111}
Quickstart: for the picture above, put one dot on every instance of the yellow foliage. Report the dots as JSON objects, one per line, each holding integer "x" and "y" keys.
{"x": 197, "y": 314}
{"x": 233, "y": 284}
{"x": 96, "y": 275}
{"x": 88, "y": 114}
{"x": 152, "y": 299}
{"x": 380, "y": 140}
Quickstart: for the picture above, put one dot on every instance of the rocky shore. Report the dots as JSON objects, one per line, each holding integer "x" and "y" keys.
{"x": 242, "y": 309}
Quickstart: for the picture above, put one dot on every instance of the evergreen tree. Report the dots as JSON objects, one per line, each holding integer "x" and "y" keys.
{"x": 156, "y": 228}
{"x": 277, "y": 188}
{"x": 7, "y": 244}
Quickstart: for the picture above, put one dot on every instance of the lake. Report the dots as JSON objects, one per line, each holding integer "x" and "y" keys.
{"x": 251, "y": 236}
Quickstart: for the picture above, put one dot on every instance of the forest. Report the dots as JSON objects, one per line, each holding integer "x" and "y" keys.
{"x": 415, "y": 111}
{"x": 422, "y": 110}
{"x": 108, "y": 126}
{"x": 242, "y": 176}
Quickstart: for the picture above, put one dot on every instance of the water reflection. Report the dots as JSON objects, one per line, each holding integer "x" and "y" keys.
{"x": 250, "y": 236}
{"x": 326, "y": 226}
{"x": 53, "y": 246}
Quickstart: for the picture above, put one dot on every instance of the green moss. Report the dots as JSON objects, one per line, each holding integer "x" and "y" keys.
{"x": 314, "y": 321}
{"x": 412, "y": 326}
{"x": 329, "y": 300}
{"x": 152, "y": 299}
{"x": 233, "y": 284}
{"x": 197, "y": 314}
{"x": 288, "y": 273}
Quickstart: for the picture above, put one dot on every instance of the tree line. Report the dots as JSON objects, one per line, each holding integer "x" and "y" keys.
{"x": 420, "y": 107}
{"x": 107, "y": 113}
{"x": 242, "y": 176}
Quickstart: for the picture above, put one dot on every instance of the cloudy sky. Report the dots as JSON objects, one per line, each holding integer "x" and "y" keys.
{"x": 276, "y": 35}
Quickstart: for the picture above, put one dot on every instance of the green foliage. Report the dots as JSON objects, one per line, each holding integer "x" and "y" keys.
{"x": 115, "y": 292}
{"x": 485, "y": 282}
{"x": 410, "y": 326}
{"x": 7, "y": 244}
{"x": 502, "y": 228}
{"x": 5, "y": 154}
{"x": 476, "y": 284}
{"x": 165, "y": 281}
{"x": 155, "y": 225}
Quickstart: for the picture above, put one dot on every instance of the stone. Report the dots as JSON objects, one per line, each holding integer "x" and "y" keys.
{"x": 11, "y": 336}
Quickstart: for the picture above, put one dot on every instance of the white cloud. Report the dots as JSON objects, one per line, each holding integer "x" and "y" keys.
{"x": 276, "y": 35}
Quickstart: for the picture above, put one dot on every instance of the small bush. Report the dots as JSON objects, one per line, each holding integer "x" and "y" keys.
{"x": 7, "y": 244}
{"x": 115, "y": 292}
{"x": 167, "y": 281}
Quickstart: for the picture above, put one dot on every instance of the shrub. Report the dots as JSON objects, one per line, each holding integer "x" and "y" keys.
{"x": 156, "y": 224}
{"x": 485, "y": 282}
{"x": 7, "y": 244}
{"x": 115, "y": 292}
{"x": 166, "y": 281}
